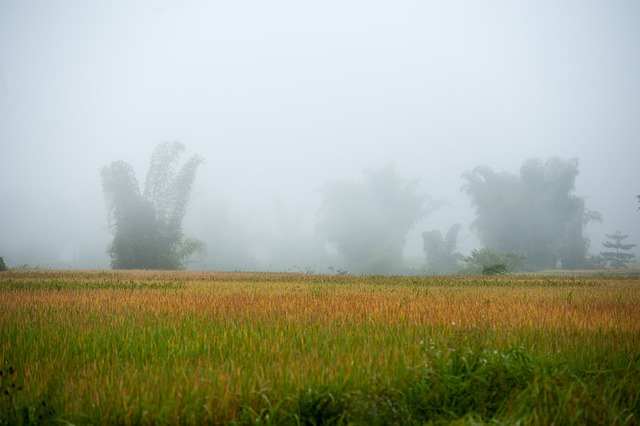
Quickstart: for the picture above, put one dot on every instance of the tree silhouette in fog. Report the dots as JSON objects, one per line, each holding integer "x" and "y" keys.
{"x": 442, "y": 255}
{"x": 618, "y": 258}
{"x": 535, "y": 214}
{"x": 368, "y": 221}
{"x": 147, "y": 226}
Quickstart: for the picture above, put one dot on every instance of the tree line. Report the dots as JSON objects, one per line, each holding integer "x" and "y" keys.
{"x": 530, "y": 221}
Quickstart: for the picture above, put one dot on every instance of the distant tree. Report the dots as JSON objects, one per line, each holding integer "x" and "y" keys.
{"x": 226, "y": 237}
{"x": 147, "y": 226}
{"x": 617, "y": 258}
{"x": 3, "y": 267}
{"x": 535, "y": 213}
{"x": 291, "y": 247}
{"x": 368, "y": 221}
{"x": 442, "y": 256}
{"x": 488, "y": 262}
{"x": 597, "y": 262}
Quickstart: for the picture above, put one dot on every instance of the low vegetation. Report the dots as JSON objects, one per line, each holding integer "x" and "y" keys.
{"x": 209, "y": 348}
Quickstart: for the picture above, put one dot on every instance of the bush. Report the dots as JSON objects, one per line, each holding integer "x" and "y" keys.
{"x": 494, "y": 269}
{"x": 3, "y": 267}
{"x": 488, "y": 262}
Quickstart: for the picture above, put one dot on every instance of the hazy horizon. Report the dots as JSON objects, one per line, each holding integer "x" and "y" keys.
{"x": 282, "y": 97}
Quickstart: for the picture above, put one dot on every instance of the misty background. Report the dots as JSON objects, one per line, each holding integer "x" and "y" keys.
{"x": 280, "y": 98}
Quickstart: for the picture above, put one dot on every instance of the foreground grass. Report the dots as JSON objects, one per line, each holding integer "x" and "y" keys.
{"x": 198, "y": 348}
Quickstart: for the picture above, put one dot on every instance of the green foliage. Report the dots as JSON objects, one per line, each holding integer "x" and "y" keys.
{"x": 12, "y": 409}
{"x": 597, "y": 262}
{"x": 320, "y": 406}
{"x": 467, "y": 379}
{"x": 8, "y": 390}
{"x": 495, "y": 269}
{"x": 368, "y": 221}
{"x": 617, "y": 258}
{"x": 182, "y": 360}
{"x": 534, "y": 213}
{"x": 147, "y": 227}
{"x": 442, "y": 256}
{"x": 488, "y": 262}
{"x": 467, "y": 384}
{"x": 456, "y": 382}
{"x": 3, "y": 267}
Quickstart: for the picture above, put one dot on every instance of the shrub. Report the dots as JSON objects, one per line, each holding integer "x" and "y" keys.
{"x": 488, "y": 262}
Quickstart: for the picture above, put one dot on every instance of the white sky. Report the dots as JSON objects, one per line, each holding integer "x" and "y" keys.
{"x": 281, "y": 96}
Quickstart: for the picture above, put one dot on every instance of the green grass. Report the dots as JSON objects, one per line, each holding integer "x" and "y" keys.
{"x": 197, "y": 348}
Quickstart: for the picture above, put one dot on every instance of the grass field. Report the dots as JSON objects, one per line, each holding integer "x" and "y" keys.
{"x": 105, "y": 347}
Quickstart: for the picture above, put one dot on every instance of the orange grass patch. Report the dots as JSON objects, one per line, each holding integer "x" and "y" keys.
{"x": 120, "y": 340}
{"x": 507, "y": 303}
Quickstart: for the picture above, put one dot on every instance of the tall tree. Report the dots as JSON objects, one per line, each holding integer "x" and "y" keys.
{"x": 535, "y": 214}
{"x": 147, "y": 226}
{"x": 368, "y": 221}
{"x": 617, "y": 258}
{"x": 442, "y": 256}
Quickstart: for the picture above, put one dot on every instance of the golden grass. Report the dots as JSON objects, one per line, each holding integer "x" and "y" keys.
{"x": 118, "y": 341}
{"x": 590, "y": 304}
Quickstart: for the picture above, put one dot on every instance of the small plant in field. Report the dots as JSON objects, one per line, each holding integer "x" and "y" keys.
{"x": 261, "y": 411}
{"x": 10, "y": 414}
{"x": 320, "y": 406}
{"x": 44, "y": 413}
{"x": 9, "y": 388}
{"x": 494, "y": 269}
{"x": 26, "y": 266}
{"x": 338, "y": 271}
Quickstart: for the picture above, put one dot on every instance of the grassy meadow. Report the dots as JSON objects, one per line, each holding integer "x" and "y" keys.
{"x": 108, "y": 347}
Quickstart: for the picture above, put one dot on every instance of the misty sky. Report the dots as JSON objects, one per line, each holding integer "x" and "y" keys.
{"x": 280, "y": 97}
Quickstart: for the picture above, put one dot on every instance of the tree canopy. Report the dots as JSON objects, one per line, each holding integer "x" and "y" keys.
{"x": 535, "y": 214}
{"x": 441, "y": 253}
{"x": 368, "y": 221}
{"x": 147, "y": 226}
{"x": 618, "y": 258}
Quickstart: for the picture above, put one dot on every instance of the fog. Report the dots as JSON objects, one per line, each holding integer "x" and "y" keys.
{"x": 280, "y": 98}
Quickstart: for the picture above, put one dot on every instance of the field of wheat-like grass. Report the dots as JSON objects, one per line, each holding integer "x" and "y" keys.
{"x": 143, "y": 347}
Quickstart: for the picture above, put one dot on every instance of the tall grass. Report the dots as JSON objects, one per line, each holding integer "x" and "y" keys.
{"x": 204, "y": 348}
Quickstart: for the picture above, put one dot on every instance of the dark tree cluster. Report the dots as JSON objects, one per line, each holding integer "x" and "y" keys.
{"x": 368, "y": 221}
{"x": 147, "y": 225}
{"x": 535, "y": 214}
{"x": 528, "y": 221}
